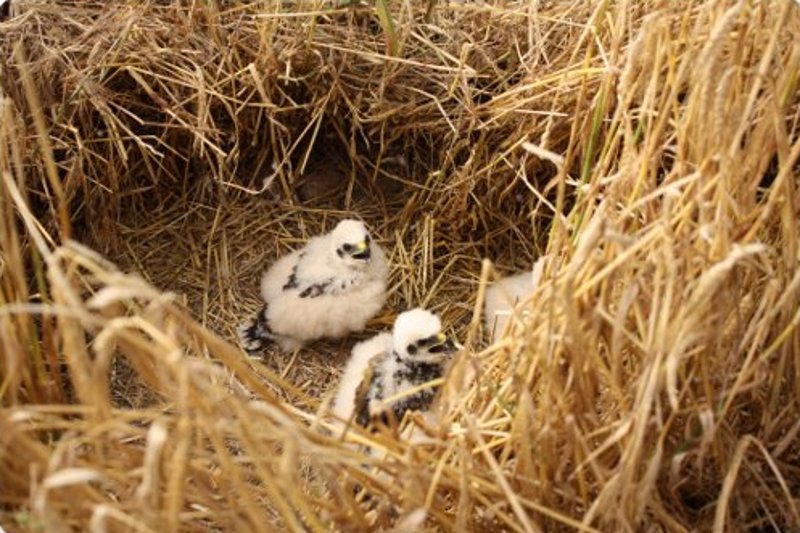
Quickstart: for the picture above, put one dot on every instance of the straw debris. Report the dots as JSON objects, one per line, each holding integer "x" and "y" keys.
{"x": 155, "y": 156}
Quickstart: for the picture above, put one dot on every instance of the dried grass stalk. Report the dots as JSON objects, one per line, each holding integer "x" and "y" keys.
{"x": 650, "y": 149}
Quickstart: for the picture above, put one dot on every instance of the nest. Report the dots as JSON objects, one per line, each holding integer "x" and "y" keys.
{"x": 156, "y": 157}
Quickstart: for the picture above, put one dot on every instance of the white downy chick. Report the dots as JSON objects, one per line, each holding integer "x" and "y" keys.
{"x": 505, "y": 294}
{"x": 388, "y": 365}
{"x": 329, "y": 288}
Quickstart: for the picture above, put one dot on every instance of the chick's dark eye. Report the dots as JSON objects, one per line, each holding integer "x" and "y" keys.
{"x": 347, "y": 247}
{"x": 412, "y": 349}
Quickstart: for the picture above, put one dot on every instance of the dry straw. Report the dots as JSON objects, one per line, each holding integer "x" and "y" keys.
{"x": 649, "y": 149}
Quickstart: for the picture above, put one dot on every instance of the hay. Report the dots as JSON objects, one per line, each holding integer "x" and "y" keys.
{"x": 650, "y": 149}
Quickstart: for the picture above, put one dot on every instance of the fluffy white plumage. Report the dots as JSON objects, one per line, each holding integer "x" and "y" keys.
{"x": 388, "y": 365}
{"x": 357, "y": 370}
{"x": 503, "y": 296}
{"x": 329, "y": 288}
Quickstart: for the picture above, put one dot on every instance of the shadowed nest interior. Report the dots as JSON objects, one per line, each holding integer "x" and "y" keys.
{"x": 157, "y": 156}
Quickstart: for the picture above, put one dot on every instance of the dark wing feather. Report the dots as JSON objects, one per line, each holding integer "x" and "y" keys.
{"x": 310, "y": 289}
{"x": 256, "y": 334}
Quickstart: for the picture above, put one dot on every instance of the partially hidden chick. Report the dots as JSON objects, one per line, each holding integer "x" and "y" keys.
{"x": 504, "y": 294}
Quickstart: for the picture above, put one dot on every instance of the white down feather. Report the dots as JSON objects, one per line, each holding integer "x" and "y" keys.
{"x": 354, "y": 372}
{"x": 505, "y": 294}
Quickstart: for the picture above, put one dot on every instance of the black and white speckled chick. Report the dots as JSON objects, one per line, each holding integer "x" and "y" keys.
{"x": 384, "y": 368}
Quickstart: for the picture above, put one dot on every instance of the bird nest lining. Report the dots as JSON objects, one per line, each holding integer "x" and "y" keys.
{"x": 213, "y": 258}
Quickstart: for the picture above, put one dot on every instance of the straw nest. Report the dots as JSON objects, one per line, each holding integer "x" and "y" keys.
{"x": 156, "y": 156}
